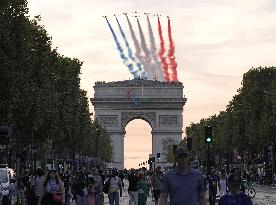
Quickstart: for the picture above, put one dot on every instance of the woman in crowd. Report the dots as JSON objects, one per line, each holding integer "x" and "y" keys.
{"x": 38, "y": 184}
{"x": 222, "y": 182}
{"x": 91, "y": 195}
{"x": 53, "y": 187}
{"x": 142, "y": 190}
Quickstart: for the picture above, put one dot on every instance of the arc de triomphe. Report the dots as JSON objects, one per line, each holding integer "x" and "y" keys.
{"x": 158, "y": 103}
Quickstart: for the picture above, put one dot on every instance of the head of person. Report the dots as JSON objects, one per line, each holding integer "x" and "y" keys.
{"x": 141, "y": 176}
{"x": 213, "y": 171}
{"x": 132, "y": 171}
{"x": 182, "y": 157}
{"x": 234, "y": 183}
{"x": 223, "y": 173}
{"x": 52, "y": 173}
{"x": 39, "y": 172}
{"x": 114, "y": 173}
{"x": 96, "y": 171}
{"x": 158, "y": 172}
{"x": 26, "y": 171}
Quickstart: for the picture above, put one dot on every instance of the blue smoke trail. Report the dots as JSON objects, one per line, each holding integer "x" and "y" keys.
{"x": 122, "y": 55}
{"x": 139, "y": 65}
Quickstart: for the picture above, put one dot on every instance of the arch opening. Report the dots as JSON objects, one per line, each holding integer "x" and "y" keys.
{"x": 137, "y": 143}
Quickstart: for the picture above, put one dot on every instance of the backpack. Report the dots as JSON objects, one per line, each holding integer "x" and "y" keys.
{"x": 106, "y": 186}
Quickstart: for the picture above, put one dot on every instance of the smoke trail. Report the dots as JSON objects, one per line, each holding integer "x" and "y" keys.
{"x": 158, "y": 67}
{"x": 130, "y": 51}
{"x": 145, "y": 50}
{"x": 138, "y": 49}
{"x": 121, "y": 51}
{"x": 173, "y": 64}
{"x": 162, "y": 52}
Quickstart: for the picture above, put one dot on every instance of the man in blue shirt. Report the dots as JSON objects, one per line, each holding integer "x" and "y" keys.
{"x": 183, "y": 185}
{"x": 235, "y": 197}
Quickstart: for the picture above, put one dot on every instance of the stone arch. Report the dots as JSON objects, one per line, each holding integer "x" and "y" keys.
{"x": 126, "y": 117}
{"x": 160, "y": 104}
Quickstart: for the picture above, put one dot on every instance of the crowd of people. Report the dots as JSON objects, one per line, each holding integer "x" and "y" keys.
{"x": 176, "y": 186}
{"x": 88, "y": 187}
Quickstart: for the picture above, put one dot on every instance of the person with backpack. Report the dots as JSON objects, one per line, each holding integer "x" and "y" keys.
{"x": 157, "y": 185}
{"x": 103, "y": 176}
{"x": 142, "y": 190}
{"x": 133, "y": 187}
{"x": 122, "y": 176}
{"x": 214, "y": 180}
{"x": 91, "y": 192}
{"x": 223, "y": 186}
{"x": 54, "y": 193}
{"x": 67, "y": 187}
{"x": 98, "y": 186}
{"x": 114, "y": 187}
{"x": 28, "y": 191}
{"x": 78, "y": 189}
{"x": 148, "y": 181}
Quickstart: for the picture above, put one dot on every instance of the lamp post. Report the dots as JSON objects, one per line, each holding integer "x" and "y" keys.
{"x": 97, "y": 141}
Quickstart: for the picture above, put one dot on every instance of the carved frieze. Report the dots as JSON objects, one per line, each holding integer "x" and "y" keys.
{"x": 169, "y": 120}
{"x": 108, "y": 120}
{"x": 128, "y": 116}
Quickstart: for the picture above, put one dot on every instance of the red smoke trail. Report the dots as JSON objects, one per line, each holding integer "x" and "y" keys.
{"x": 162, "y": 52}
{"x": 173, "y": 64}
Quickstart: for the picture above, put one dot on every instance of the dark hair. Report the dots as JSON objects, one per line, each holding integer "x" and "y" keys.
{"x": 48, "y": 178}
{"x": 39, "y": 172}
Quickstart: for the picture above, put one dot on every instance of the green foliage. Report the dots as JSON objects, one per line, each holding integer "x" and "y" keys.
{"x": 40, "y": 89}
{"x": 170, "y": 155}
{"x": 249, "y": 122}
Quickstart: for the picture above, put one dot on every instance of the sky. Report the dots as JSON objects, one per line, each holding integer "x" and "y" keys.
{"x": 216, "y": 42}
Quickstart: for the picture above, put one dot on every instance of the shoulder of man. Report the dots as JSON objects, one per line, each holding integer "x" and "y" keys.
{"x": 196, "y": 172}
{"x": 246, "y": 199}
{"x": 223, "y": 199}
{"x": 169, "y": 173}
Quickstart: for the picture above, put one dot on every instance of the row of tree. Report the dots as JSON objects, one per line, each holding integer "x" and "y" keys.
{"x": 248, "y": 125}
{"x": 40, "y": 94}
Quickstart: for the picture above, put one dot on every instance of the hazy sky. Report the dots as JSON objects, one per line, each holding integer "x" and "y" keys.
{"x": 216, "y": 42}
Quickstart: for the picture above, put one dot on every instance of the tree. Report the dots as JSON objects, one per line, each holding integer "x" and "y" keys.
{"x": 167, "y": 148}
{"x": 248, "y": 123}
{"x": 40, "y": 89}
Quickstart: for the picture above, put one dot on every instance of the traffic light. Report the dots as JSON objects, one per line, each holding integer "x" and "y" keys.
{"x": 190, "y": 143}
{"x": 208, "y": 134}
{"x": 153, "y": 159}
{"x": 158, "y": 156}
{"x": 4, "y": 135}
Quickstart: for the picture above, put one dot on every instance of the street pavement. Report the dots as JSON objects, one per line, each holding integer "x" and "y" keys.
{"x": 265, "y": 195}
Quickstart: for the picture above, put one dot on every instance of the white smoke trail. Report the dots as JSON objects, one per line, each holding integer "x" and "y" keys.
{"x": 158, "y": 70}
{"x": 138, "y": 52}
{"x": 146, "y": 51}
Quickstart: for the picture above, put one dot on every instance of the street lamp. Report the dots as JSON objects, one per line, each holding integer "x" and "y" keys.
{"x": 97, "y": 142}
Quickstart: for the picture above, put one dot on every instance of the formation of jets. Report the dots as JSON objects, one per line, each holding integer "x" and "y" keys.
{"x": 136, "y": 14}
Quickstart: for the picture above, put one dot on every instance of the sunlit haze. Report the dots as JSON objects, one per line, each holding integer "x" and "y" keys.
{"x": 138, "y": 143}
{"x": 216, "y": 42}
